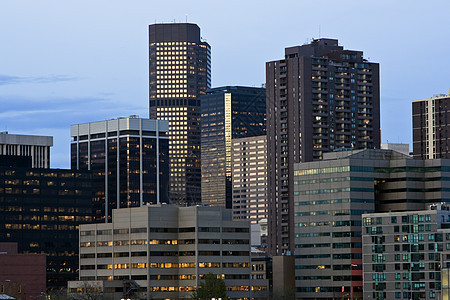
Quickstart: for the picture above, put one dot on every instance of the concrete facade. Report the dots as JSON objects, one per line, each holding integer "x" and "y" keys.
{"x": 37, "y": 147}
{"x": 320, "y": 97}
{"x": 431, "y": 125}
{"x": 167, "y": 250}
{"x": 399, "y": 147}
{"x": 249, "y": 179}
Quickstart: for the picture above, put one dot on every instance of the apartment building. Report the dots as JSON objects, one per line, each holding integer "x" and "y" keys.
{"x": 320, "y": 98}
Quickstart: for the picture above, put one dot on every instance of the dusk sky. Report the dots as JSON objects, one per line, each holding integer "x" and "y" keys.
{"x": 69, "y": 62}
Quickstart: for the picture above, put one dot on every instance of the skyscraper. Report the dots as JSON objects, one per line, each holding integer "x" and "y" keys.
{"x": 180, "y": 71}
{"x": 320, "y": 98}
{"x": 228, "y": 112}
{"x": 431, "y": 125}
{"x": 128, "y": 158}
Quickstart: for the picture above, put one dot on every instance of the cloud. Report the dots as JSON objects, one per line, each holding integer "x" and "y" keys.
{"x": 7, "y": 79}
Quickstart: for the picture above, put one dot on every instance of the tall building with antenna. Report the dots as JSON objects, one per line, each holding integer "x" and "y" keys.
{"x": 179, "y": 73}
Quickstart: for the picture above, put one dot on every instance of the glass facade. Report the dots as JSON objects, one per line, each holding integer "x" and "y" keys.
{"x": 227, "y": 113}
{"x": 41, "y": 209}
{"x": 125, "y": 171}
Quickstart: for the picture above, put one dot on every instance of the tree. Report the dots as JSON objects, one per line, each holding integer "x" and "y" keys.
{"x": 210, "y": 287}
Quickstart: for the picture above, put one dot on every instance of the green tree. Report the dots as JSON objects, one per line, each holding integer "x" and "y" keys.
{"x": 210, "y": 287}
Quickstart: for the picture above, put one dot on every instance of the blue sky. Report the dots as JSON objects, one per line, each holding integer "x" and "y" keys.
{"x": 69, "y": 62}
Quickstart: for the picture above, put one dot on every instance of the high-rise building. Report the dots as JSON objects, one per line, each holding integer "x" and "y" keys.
{"x": 167, "y": 250}
{"x": 227, "y": 113}
{"x": 431, "y": 126}
{"x": 404, "y": 254}
{"x": 249, "y": 179}
{"x": 330, "y": 197}
{"x": 180, "y": 71}
{"x": 128, "y": 158}
{"x": 36, "y": 147}
{"x": 320, "y": 98}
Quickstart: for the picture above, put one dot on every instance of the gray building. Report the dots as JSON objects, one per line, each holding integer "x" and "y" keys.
{"x": 129, "y": 160}
{"x": 402, "y": 253}
{"x": 330, "y": 197}
{"x": 320, "y": 97}
{"x": 180, "y": 71}
{"x": 431, "y": 125}
{"x": 34, "y": 146}
{"x": 167, "y": 250}
{"x": 399, "y": 147}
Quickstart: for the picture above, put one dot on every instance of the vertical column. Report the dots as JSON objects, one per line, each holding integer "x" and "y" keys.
{"x": 78, "y": 147}
{"x": 89, "y": 146}
{"x": 157, "y": 163}
{"x": 141, "y": 179}
{"x": 118, "y": 166}
{"x": 33, "y": 154}
{"x": 106, "y": 172}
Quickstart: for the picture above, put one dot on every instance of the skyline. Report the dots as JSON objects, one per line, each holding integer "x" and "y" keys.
{"x": 76, "y": 62}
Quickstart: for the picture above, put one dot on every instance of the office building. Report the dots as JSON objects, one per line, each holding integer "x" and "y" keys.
{"x": 320, "y": 98}
{"x": 227, "y": 113}
{"x": 249, "y": 180}
{"x": 403, "y": 251}
{"x": 330, "y": 197}
{"x": 34, "y": 146}
{"x": 128, "y": 158}
{"x": 167, "y": 250}
{"x": 180, "y": 71}
{"x": 22, "y": 276}
{"x": 431, "y": 138}
{"x": 40, "y": 210}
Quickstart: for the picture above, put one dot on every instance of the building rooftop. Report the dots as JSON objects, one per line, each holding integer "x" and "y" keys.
{"x": 27, "y": 140}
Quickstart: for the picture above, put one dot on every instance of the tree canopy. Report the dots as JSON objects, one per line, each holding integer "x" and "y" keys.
{"x": 211, "y": 287}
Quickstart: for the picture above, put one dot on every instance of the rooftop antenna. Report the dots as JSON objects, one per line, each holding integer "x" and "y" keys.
{"x": 186, "y": 18}
{"x": 319, "y": 31}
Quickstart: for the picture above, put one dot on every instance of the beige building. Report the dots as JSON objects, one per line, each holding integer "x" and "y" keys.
{"x": 249, "y": 176}
{"x": 166, "y": 250}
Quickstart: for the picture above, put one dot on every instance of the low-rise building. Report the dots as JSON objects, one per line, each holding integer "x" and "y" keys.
{"x": 22, "y": 276}
{"x": 167, "y": 250}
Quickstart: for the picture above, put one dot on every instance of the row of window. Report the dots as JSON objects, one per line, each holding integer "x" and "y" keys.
{"x": 162, "y": 230}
